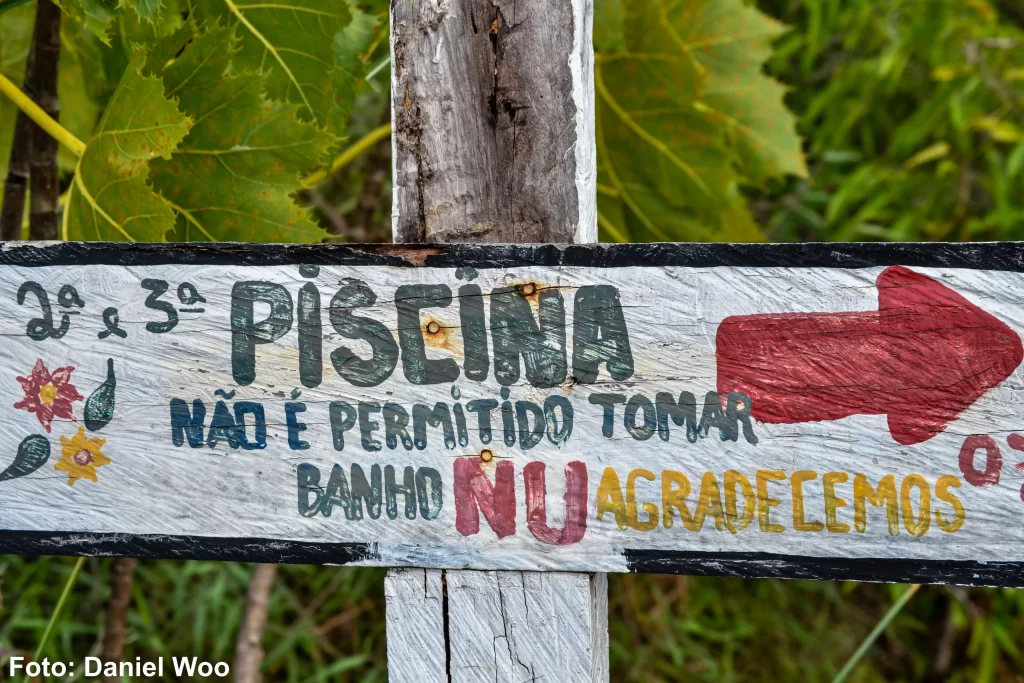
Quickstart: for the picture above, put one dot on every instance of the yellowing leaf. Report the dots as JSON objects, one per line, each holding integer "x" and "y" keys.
{"x": 730, "y": 41}
{"x": 232, "y": 177}
{"x": 682, "y": 107}
{"x": 293, "y": 42}
{"x": 1000, "y": 130}
{"x": 931, "y": 153}
{"x": 110, "y": 198}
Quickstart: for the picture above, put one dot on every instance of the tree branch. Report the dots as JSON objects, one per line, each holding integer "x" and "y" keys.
{"x": 16, "y": 184}
{"x": 44, "y": 208}
{"x": 117, "y": 610}
{"x": 249, "y": 649}
{"x": 378, "y": 173}
{"x": 367, "y": 142}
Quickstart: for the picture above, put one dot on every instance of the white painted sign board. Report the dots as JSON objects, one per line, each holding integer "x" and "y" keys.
{"x": 832, "y": 411}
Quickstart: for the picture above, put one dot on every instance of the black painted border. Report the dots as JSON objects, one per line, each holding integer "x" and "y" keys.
{"x": 168, "y": 547}
{"x": 733, "y": 564}
{"x": 1004, "y": 256}
{"x": 770, "y": 565}
{"x": 1001, "y": 256}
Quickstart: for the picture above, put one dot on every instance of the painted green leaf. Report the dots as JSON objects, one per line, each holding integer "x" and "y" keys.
{"x": 79, "y": 111}
{"x": 33, "y": 452}
{"x": 110, "y": 198}
{"x": 292, "y": 41}
{"x": 99, "y": 407}
{"x": 232, "y": 177}
{"x": 683, "y": 107}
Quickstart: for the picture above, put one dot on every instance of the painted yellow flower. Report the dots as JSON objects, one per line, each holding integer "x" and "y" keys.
{"x": 81, "y": 456}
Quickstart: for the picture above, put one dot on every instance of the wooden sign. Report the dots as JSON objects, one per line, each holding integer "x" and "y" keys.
{"x": 831, "y": 411}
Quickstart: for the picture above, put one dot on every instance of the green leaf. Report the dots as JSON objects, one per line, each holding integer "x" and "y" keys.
{"x": 609, "y": 26}
{"x": 351, "y": 44}
{"x": 110, "y": 198}
{"x": 148, "y": 10}
{"x": 293, "y": 42}
{"x": 141, "y": 25}
{"x": 667, "y": 160}
{"x": 731, "y": 41}
{"x": 232, "y": 177}
{"x": 78, "y": 110}
{"x": 95, "y": 15}
{"x": 683, "y": 108}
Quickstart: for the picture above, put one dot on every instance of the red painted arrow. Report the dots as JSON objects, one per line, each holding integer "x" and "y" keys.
{"x": 923, "y": 358}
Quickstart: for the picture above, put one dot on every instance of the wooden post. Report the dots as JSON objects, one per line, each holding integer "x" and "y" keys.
{"x": 493, "y": 111}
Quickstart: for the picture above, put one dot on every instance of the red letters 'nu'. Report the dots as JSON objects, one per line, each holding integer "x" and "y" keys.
{"x": 575, "y": 504}
{"x": 497, "y": 501}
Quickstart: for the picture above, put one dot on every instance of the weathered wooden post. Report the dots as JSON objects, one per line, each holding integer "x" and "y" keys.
{"x": 493, "y": 112}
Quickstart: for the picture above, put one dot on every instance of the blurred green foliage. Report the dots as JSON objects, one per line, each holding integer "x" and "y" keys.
{"x": 327, "y": 624}
{"x": 913, "y": 116}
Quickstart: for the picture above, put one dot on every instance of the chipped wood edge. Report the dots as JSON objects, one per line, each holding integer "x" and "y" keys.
{"x": 528, "y": 626}
{"x": 416, "y": 626}
{"x": 581, "y": 66}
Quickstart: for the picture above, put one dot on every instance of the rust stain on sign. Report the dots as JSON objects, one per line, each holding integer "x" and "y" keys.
{"x": 400, "y": 405}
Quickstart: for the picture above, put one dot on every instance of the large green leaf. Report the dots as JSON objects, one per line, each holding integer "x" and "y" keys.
{"x": 78, "y": 111}
{"x": 110, "y": 198}
{"x": 292, "y": 41}
{"x": 95, "y": 15}
{"x": 731, "y": 41}
{"x": 232, "y": 177}
{"x": 684, "y": 115}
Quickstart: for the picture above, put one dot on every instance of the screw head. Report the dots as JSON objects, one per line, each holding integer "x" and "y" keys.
{"x": 486, "y": 455}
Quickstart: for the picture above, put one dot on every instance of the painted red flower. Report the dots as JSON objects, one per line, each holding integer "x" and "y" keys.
{"x": 48, "y": 394}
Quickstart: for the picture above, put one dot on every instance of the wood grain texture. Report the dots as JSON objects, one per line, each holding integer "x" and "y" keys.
{"x": 493, "y": 111}
{"x": 519, "y": 627}
{"x": 417, "y": 638}
{"x": 493, "y": 105}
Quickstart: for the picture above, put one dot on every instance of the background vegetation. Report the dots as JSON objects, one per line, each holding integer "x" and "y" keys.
{"x": 882, "y": 120}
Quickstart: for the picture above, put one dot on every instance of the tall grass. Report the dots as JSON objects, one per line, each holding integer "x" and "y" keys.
{"x": 327, "y": 624}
